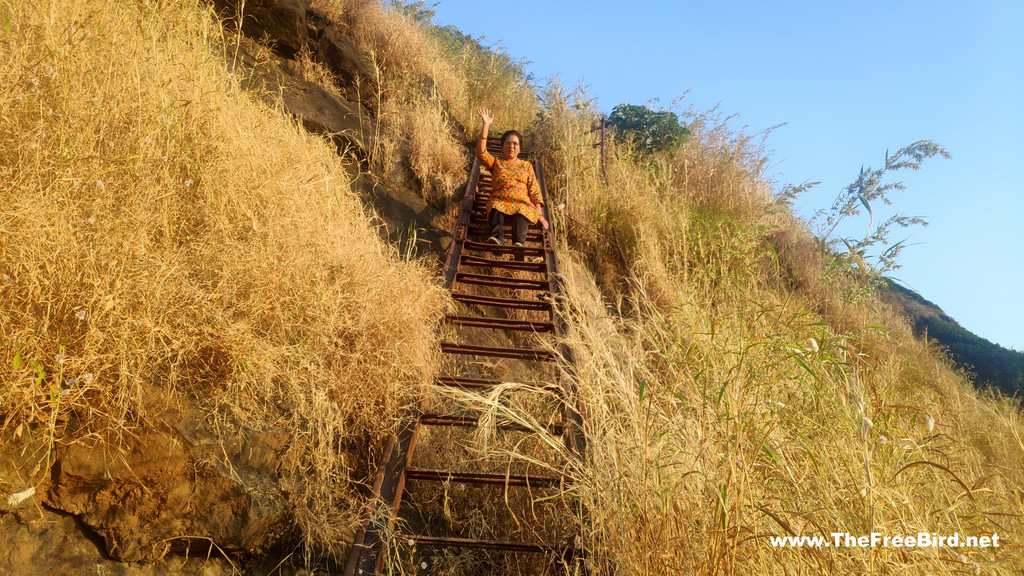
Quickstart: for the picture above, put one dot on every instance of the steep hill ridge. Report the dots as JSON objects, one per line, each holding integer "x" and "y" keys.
{"x": 989, "y": 363}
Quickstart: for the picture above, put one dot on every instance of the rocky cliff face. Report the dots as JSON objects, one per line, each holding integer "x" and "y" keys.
{"x": 181, "y": 479}
{"x": 289, "y": 26}
{"x": 349, "y": 120}
{"x": 177, "y": 484}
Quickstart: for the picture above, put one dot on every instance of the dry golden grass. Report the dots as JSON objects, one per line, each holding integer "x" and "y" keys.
{"x": 413, "y": 88}
{"x": 165, "y": 236}
{"x": 437, "y": 160}
{"x": 305, "y": 67}
{"x": 715, "y": 422}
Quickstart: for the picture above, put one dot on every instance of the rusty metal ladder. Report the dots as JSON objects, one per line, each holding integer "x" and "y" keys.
{"x": 377, "y": 534}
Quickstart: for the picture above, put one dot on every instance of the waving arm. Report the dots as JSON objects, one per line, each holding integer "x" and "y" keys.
{"x": 481, "y": 143}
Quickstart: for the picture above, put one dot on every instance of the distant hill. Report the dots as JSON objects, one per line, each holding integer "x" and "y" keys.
{"x": 989, "y": 363}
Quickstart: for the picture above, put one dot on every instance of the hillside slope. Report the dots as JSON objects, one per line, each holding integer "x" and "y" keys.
{"x": 203, "y": 335}
{"x": 741, "y": 385}
{"x": 206, "y": 337}
{"x": 988, "y": 363}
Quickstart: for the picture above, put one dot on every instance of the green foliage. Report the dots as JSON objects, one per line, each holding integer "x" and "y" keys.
{"x": 990, "y": 363}
{"x": 649, "y": 130}
{"x": 866, "y": 191}
{"x": 420, "y": 12}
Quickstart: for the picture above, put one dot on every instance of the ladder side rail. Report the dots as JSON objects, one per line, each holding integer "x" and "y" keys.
{"x": 577, "y": 439}
{"x": 451, "y": 263}
{"x": 573, "y": 418}
{"x": 367, "y": 554}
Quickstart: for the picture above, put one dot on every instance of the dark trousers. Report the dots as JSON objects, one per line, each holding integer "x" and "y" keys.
{"x": 519, "y": 225}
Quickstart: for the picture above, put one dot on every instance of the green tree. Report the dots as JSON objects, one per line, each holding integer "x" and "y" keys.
{"x": 648, "y": 129}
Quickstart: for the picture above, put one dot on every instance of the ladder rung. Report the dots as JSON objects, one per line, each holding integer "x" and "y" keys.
{"x": 518, "y": 353}
{"x": 557, "y": 428}
{"x": 480, "y": 203}
{"x": 481, "y": 200}
{"x": 485, "y": 231}
{"x": 504, "y": 249}
{"x": 451, "y": 542}
{"x": 479, "y": 225}
{"x": 481, "y": 230}
{"x": 530, "y": 226}
{"x": 500, "y": 281}
{"x": 501, "y": 302}
{"x": 481, "y": 478}
{"x": 478, "y": 383}
{"x": 501, "y": 323}
{"x": 467, "y": 260}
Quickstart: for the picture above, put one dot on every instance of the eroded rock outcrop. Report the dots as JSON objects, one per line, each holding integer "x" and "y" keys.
{"x": 165, "y": 486}
{"x": 282, "y": 22}
{"x": 288, "y": 26}
{"x": 348, "y": 124}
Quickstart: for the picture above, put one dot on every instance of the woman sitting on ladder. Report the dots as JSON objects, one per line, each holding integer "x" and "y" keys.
{"x": 514, "y": 189}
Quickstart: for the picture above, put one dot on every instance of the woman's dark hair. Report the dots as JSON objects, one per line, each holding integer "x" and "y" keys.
{"x": 512, "y": 133}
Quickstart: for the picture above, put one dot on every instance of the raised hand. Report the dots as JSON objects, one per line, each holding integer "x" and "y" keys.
{"x": 485, "y": 115}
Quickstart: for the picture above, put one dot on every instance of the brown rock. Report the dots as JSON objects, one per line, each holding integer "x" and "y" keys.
{"x": 348, "y": 124}
{"x": 354, "y": 71}
{"x": 22, "y": 460}
{"x": 164, "y": 488}
{"x": 44, "y": 543}
{"x": 283, "y": 22}
{"x": 325, "y": 113}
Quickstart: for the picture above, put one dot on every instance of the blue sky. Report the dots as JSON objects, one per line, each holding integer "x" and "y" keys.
{"x": 849, "y": 80}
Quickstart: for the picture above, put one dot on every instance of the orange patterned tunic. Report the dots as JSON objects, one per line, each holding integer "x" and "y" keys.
{"x": 514, "y": 187}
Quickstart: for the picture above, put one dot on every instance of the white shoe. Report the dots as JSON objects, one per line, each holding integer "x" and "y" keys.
{"x": 519, "y": 244}
{"x": 494, "y": 240}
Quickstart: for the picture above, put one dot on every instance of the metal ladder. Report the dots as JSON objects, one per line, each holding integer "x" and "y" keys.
{"x": 486, "y": 280}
